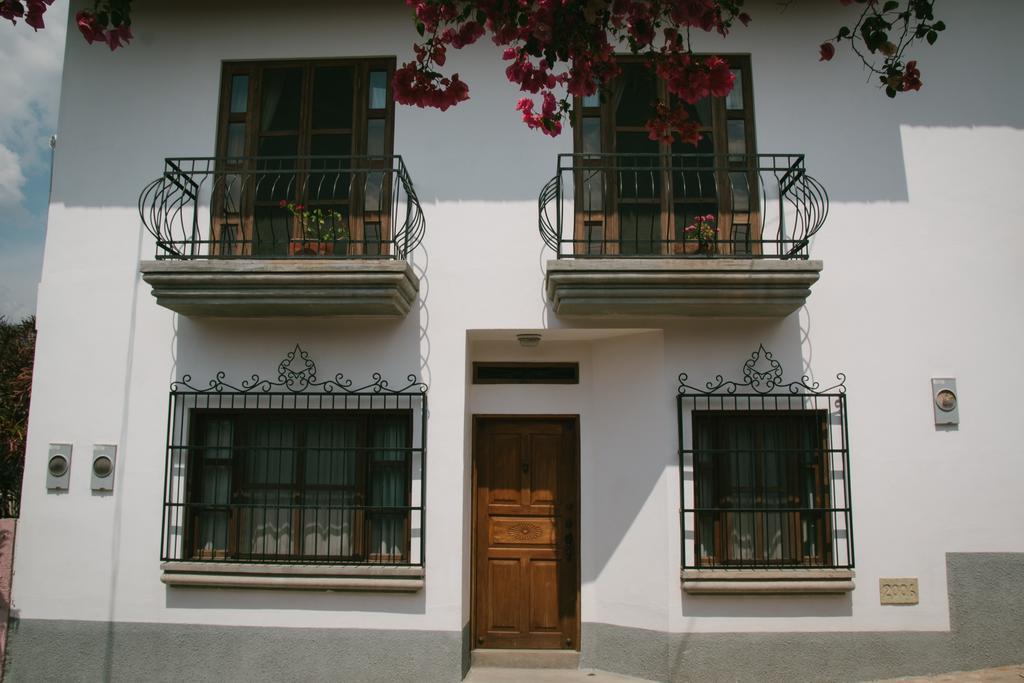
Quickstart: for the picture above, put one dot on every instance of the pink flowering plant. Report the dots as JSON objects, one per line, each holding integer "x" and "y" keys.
{"x": 703, "y": 232}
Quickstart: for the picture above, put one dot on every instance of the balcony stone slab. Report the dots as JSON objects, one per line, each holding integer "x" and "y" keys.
{"x": 283, "y": 287}
{"x": 680, "y": 287}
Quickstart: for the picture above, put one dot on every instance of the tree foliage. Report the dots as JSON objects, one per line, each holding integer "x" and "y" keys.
{"x": 17, "y": 350}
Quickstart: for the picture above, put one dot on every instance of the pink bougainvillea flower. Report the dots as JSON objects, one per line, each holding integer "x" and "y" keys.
{"x": 828, "y": 51}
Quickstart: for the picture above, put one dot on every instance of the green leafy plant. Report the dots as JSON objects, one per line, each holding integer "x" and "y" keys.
{"x": 17, "y": 351}
{"x": 320, "y": 225}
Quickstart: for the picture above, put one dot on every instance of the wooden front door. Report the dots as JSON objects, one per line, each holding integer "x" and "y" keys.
{"x": 526, "y": 553}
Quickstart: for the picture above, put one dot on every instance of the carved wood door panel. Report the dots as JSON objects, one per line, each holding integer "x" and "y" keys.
{"x": 526, "y": 578}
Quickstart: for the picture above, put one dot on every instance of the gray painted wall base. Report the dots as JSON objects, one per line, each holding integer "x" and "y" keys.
{"x": 43, "y": 650}
{"x": 986, "y": 599}
{"x": 986, "y": 603}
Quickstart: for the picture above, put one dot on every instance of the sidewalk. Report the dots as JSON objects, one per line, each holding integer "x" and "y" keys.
{"x": 1002, "y": 674}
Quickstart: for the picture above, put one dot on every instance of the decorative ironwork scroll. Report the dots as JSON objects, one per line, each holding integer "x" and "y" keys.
{"x": 762, "y": 374}
{"x": 297, "y": 373}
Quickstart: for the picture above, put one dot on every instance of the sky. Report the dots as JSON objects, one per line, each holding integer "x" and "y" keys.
{"x": 29, "y": 95}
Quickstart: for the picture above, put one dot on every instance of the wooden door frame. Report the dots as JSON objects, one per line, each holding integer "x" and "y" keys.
{"x": 574, "y": 420}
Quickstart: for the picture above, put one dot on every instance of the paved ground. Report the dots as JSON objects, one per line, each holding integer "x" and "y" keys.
{"x": 495, "y": 675}
{"x": 1003, "y": 674}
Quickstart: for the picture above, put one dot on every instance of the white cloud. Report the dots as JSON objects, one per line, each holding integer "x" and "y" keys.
{"x": 11, "y": 178}
{"x": 30, "y": 87}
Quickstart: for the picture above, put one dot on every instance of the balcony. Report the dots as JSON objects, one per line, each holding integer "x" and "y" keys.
{"x": 681, "y": 234}
{"x": 274, "y": 236}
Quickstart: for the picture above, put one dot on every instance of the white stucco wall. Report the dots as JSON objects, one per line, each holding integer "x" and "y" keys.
{"x": 921, "y": 280}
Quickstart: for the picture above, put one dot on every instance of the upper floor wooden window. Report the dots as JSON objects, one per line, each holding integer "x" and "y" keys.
{"x": 313, "y": 134}
{"x": 635, "y": 196}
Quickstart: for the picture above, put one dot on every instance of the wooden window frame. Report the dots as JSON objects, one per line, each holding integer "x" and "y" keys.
{"x": 724, "y": 488}
{"x": 608, "y": 218}
{"x": 359, "y": 241}
{"x": 365, "y": 467}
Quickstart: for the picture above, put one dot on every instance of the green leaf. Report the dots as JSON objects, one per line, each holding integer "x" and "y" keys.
{"x": 844, "y": 32}
{"x": 890, "y": 6}
{"x": 932, "y": 37}
{"x": 939, "y": 26}
{"x": 420, "y": 28}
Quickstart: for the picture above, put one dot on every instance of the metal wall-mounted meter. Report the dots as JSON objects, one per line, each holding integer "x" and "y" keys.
{"x": 103, "y": 458}
{"x": 58, "y": 467}
{"x": 945, "y": 402}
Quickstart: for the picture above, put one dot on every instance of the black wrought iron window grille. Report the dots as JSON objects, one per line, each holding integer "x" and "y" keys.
{"x": 764, "y": 471}
{"x": 296, "y": 471}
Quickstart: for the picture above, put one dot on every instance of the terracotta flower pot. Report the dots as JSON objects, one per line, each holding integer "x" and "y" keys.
{"x": 303, "y": 247}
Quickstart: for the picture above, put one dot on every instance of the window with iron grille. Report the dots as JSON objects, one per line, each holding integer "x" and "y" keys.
{"x": 765, "y": 472}
{"x": 295, "y": 471}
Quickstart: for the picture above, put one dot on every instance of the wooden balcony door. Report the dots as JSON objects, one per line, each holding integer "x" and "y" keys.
{"x": 526, "y": 530}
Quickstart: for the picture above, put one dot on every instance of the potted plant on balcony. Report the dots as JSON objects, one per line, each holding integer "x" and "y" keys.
{"x": 700, "y": 237}
{"x": 321, "y": 228}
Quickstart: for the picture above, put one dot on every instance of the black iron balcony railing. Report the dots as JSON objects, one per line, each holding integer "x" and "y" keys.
{"x": 681, "y": 205}
{"x": 281, "y": 207}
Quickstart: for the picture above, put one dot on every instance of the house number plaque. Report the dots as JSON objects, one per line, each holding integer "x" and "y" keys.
{"x": 898, "y": 591}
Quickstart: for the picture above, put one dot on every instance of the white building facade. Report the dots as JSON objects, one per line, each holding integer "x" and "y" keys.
{"x": 301, "y": 324}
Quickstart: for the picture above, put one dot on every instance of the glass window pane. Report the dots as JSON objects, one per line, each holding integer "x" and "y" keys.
{"x": 282, "y": 92}
{"x": 737, "y": 138}
{"x": 700, "y": 112}
{"x": 373, "y": 192}
{"x": 236, "y": 140}
{"x": 740, "y": 185}
{"x": 592, "y": 100}
{"x": 334, "y": 145}
{"x": 734, "y": 100}
{"x": 594, "y": 237}
{"x": 272, "y": 231}
{"x": 278, "y": 146}
{"x": 375, "y": 129}
{"x": 371, "y": 238}
{"x": 635, "y": 93}
{"x": 592, "y": 196}
{"x": 239, "y": 93}
{"x": 635, "y": 143}
{"x": 639, "y": 230}
{"x": 591, "y": 134}
{"x": 332, "y": 97}
{"x": 378, "y": 92}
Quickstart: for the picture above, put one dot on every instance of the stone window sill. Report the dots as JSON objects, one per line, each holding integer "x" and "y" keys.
{"x": 388, "y": 579}
{"x": 767, "y": 581}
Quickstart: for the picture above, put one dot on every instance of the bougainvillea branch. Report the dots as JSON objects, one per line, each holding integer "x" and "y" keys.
{"x": 560, "y": 49}
{"x": 31, "y": 11}
{"x": 108, "y": 22}
{"x": 885, "y": 30}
